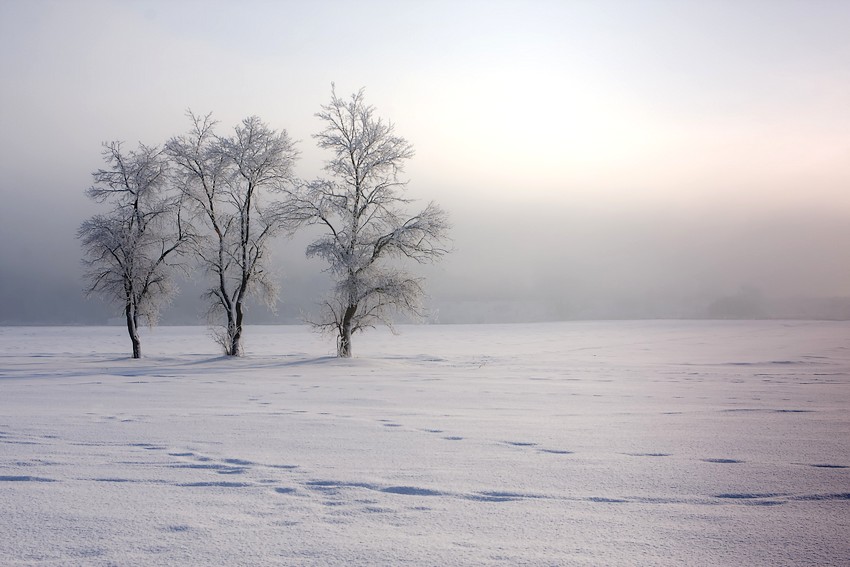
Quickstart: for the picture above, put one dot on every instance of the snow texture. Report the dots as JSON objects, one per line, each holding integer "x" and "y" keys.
{"x": 609, "y": 443}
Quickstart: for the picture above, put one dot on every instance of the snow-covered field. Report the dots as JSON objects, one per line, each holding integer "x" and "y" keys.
{"x": 603, "y": 443}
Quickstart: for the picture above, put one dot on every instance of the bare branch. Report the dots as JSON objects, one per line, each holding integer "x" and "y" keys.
{"x": 226, "y": 180}
{"x": 129, "y": 252}
{"x": 361, "y": 207}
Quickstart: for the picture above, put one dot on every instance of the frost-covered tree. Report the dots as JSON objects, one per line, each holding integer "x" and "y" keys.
{"x": 361, "y": 208}
{"x": 130, "y": 252}
{"x": 227, "y": 180}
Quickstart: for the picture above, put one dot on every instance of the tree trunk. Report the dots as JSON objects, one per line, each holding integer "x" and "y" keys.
{"x": 236, "y": 332}
{"x": 133, "y": 331}
{"x": 343, "y": 349}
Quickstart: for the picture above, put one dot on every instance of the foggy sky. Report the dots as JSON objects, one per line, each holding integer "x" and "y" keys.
{"x": 604, "y": 159}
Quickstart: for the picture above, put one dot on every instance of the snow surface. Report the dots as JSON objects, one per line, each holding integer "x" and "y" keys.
{"x": 603, "y": 443}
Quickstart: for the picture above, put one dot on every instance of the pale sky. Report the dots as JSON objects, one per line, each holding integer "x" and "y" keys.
{"x": 632, "y": 147}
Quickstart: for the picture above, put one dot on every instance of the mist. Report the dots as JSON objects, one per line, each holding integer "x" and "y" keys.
{"x": 546, "y": 264}
{"x": 522, "y": 263}
{"x": 598, "y": 160}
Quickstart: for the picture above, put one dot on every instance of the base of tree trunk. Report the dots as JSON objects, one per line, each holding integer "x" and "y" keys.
{"x": 343, "y": 348}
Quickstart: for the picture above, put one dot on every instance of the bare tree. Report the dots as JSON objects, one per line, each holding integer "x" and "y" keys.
{"x": 361, "y": 208}
{"x": 129, "y": 252}
{"x": 227, "y": 179}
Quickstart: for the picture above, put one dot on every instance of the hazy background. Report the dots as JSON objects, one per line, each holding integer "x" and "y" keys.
{"x": 599, "y": 159}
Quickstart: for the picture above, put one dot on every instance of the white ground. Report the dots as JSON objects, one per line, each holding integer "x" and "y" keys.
{"x": 615, "y": 443}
